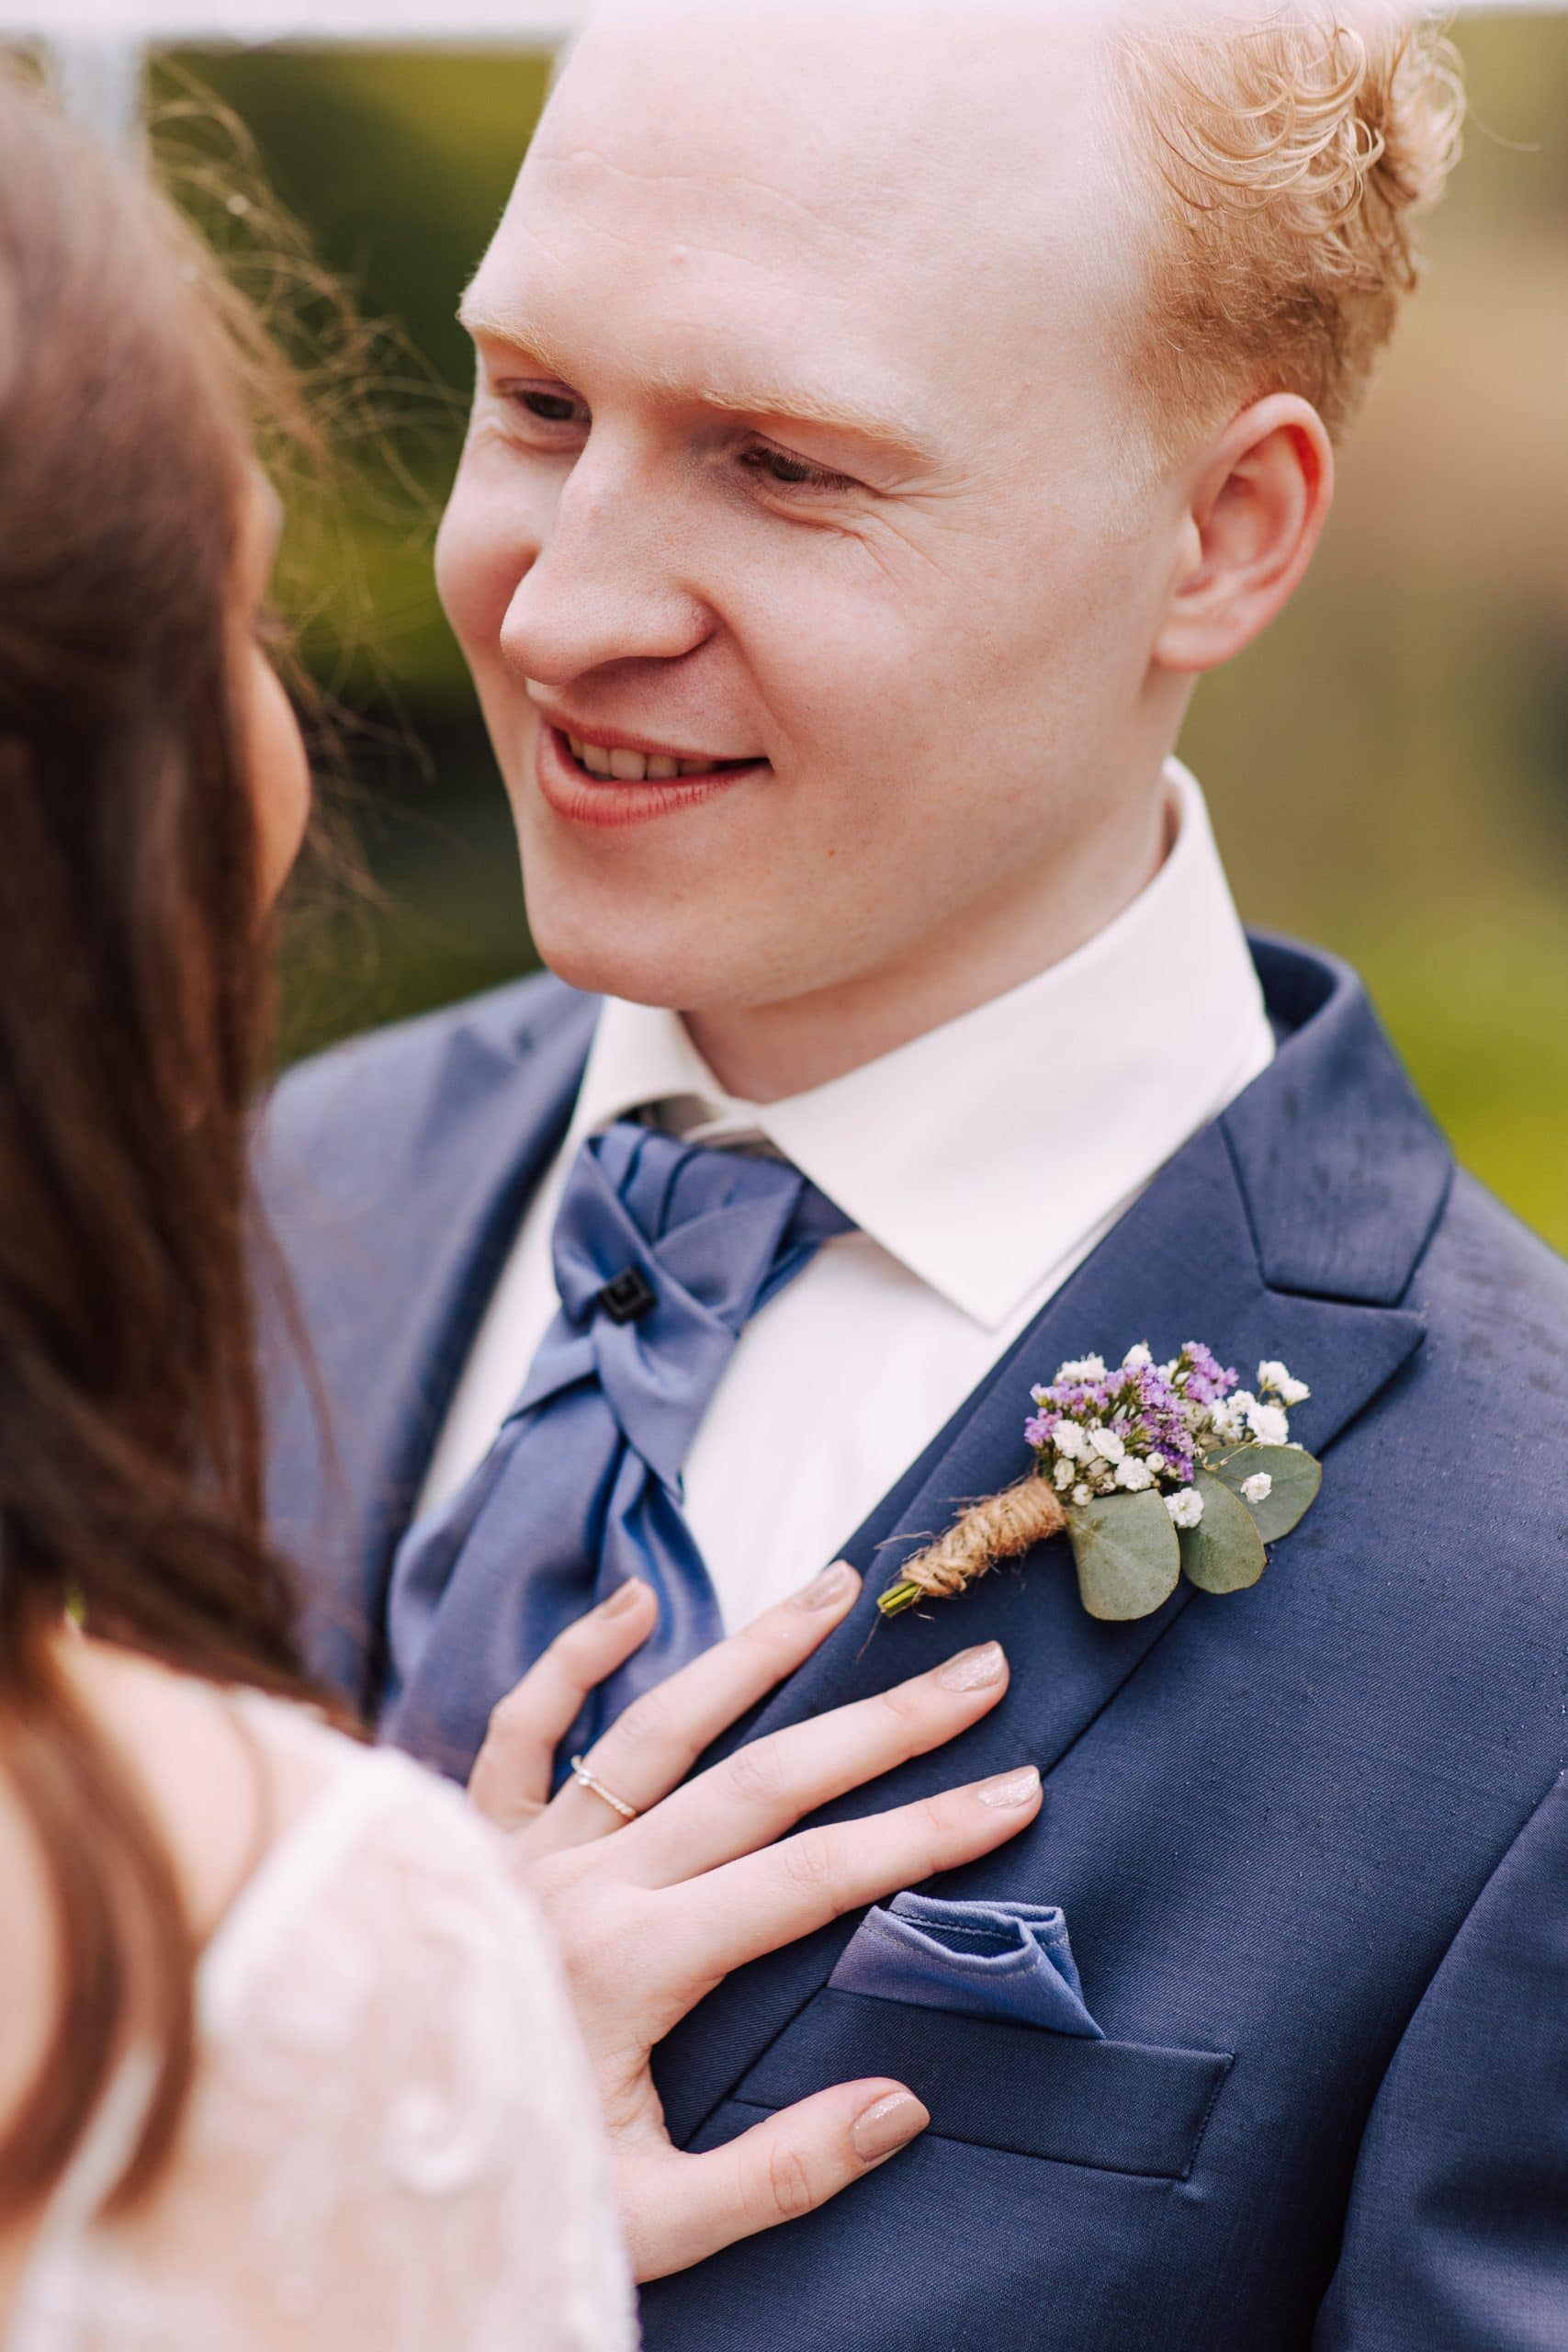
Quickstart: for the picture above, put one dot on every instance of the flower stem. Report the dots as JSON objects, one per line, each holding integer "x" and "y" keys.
{"x": 1003, "y": 1527}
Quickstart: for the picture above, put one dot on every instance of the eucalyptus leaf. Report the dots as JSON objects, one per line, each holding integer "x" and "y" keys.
{"x": 1224, "y": 1552}
{"x": 1296, "y": 1477}
{"x": 1127, "y": 1556}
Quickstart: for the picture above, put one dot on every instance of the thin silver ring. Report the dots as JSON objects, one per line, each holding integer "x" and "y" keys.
{"x": 580, "y": 1772}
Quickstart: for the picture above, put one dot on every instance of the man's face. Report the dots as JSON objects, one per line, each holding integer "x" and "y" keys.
{"x": 793, "y": 445}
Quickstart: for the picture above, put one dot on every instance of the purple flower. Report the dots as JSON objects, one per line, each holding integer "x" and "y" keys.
{"x": 1151, "y": 1409}
{"x": 1159, "y": 1420}
{"x": 1202, "y": 1379}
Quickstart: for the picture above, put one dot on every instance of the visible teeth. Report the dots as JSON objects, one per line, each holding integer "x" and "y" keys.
{"x": 633, "y": 767}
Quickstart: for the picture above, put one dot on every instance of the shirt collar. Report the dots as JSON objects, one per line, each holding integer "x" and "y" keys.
{"x": 987, "y": 1152}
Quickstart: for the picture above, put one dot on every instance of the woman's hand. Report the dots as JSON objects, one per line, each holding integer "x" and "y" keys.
{"x": 650, "y": 1915}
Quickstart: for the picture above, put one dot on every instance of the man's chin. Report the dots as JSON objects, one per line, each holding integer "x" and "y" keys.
{"x": 642, "y": 964}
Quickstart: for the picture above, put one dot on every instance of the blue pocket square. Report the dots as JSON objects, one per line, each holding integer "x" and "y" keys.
{"x": 989, "y": 1960}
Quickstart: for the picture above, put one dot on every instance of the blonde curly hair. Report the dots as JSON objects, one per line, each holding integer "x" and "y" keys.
{"x": 1292, "y": 155}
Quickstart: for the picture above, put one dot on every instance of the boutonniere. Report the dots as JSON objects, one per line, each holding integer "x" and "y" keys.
{"x": 1151, "y": 1471}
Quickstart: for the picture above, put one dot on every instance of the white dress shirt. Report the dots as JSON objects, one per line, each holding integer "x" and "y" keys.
{"x": 981, "y": 1164}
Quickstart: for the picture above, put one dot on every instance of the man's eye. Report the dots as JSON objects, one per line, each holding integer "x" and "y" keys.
{"x": 790, "y": 472}
{"x": 549, "y": 407}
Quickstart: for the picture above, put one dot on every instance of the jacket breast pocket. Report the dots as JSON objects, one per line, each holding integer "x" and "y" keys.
{"x": 1118, "y": 2106}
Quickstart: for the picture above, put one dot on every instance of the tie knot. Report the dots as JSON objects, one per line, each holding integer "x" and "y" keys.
{"x": 663, "y": 1252}
{"x": 646, "y": 1216}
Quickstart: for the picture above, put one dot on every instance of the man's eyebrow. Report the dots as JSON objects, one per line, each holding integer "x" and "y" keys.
{"x": 837, "y": 411}
{"x": 480, "y": 318}
{"x": 779, "y": 405}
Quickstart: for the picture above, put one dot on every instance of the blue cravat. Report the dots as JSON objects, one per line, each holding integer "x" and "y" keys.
{"x": 664, "y": 1251}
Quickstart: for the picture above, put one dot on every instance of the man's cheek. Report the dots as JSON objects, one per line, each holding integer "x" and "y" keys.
{"x": 478, "y": 567}
{"x": 456, "y": 582}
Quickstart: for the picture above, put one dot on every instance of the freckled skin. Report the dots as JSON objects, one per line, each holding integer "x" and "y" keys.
{"x": 954, "y": 659}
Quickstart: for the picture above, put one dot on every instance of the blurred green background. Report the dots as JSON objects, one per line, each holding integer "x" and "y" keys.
{"x": 1388, "y": 769}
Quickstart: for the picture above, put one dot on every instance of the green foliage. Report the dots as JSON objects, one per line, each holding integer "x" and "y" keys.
{"x": 1126, "y": 1552}
{"x": 1224, "y": 1552}
{"x": 1129, "y": 1552}
{"x": 1294, "y": 1477}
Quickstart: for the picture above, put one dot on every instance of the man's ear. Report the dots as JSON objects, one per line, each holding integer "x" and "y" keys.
{"x": 1258, "y": 502}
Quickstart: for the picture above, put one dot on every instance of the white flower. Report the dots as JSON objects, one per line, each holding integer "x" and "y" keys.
{"x": 1107, "y": 1444}
{"x": 1067, "y": 1438}
{"x": 1276, "y": 1381}
{"x": 1231, "y": 1417}
{"x": 1085, "y": 1368}
{"x": 1185, "y": 1506}
{"x": 1082, "y": 1495}
{"x": 1136, "y": 1356}
{"x": 1133, "y": 1475}
{"x": 1258, "y": 1488}
{"x": 1269, "y": 1424}
{"x": 1064, "y": 1475}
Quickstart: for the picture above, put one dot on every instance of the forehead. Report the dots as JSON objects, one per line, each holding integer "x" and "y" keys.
{"x": 888, "y": 191}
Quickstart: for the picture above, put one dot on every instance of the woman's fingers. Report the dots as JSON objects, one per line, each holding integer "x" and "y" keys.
{"x": 649, "y": 1749}
{"x": 511, "y": 1778}
{"x": 753, "y": 1905}
{"x": 770, "y": 1784}
{"x": 777, "y": 2171}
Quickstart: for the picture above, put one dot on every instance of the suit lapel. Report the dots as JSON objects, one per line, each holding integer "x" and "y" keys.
{"x": 391, "y": 1275}
{"x": 1189, "y": 1260}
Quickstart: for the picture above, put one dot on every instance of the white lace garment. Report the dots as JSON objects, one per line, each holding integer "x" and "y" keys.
{"x": 391, "y": 2144}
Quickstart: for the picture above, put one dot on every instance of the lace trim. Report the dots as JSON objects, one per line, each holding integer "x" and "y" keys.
{"x": 391, "y": 2137}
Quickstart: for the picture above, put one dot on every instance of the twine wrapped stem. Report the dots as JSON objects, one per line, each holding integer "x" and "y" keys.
{"x": 1002, "y": 1528}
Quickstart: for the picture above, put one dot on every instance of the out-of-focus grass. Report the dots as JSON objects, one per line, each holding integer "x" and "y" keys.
{"x": 1478, "y": 1003}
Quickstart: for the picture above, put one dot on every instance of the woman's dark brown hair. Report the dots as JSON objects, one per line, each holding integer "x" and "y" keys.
{"x": 133, "y": 1011}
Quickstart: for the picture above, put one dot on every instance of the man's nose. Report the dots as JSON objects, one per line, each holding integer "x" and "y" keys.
{"x": 603, "y": 587}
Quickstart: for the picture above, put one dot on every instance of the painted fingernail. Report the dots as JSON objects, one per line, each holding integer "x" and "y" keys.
{"x": 887, "y": 2125}
{"x": 973, "y": 1670}
{"x": 623, "y": 1597}
{"x": 1011, "y": 1788}
{"x": 834, "y": 1584}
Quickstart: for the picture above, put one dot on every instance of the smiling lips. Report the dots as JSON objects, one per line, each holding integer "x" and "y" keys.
{"x": 625, "y": 767}
{"x": 617, "y": 785}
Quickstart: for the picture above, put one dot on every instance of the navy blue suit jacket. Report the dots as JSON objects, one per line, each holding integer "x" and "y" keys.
{"x": 1312, "y": 1840}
